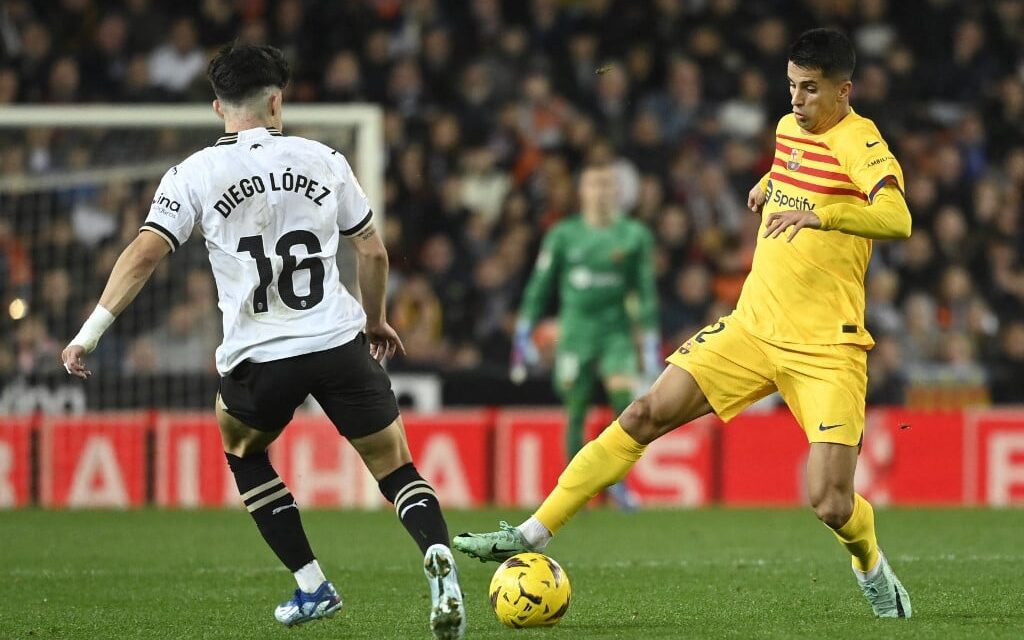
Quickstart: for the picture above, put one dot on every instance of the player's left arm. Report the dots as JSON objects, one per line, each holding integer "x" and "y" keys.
{"x": 130, "y": 273}
{"x": 355, "y": 222}
{"x": 886, "y": 217}
{"x": 875, "y": 171}
{"x": 372, "y": 266}
{"x": 647, "y": 303}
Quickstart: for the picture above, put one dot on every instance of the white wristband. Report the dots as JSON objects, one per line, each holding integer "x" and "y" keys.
{"x": 89, "y": 335}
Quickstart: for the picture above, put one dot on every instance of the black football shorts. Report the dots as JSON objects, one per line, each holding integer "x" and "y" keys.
{"x": 352, "y": 387}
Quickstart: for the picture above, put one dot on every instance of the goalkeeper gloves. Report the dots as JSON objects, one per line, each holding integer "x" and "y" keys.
{"x": 651, "y": 353}
{"x": 524, "y": 352}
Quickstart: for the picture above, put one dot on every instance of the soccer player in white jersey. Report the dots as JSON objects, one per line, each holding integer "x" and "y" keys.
{"x": 272, "y": 210}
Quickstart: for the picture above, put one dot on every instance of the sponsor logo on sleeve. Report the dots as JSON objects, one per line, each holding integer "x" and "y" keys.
{"x": 878, "y": 161}
{"x": 168, "y": 206}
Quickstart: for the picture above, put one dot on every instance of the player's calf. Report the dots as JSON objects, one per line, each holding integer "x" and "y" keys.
{"x": 273, "y": 508}
{"x": 416, "y": 506}
{"x": 419, "y": 510}
{"x": 276, "y": 514}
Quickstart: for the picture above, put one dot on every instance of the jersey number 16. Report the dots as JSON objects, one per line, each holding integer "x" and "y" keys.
{"x": 253, "y": 245}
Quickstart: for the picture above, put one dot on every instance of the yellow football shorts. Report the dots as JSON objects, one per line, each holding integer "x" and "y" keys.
{"x": 823, "y": 385}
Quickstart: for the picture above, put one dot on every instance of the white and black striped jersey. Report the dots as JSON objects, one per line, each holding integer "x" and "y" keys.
{"x": 272, "y": 209}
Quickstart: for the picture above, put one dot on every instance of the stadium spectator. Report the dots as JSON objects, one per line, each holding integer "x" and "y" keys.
{"x": 105, "y": 64}
{"x": 483, "y": 186}
{"x": 544, "y": 115}
{"x": 147, "y": 24}
{"x": 8, "y": 86}
{"x": 176, "y": 63}
{"x": 713, "y": 204}
{"x": 1008, "y": 368}
{"x": 680, "y": 106}
{"x": 184, "y": 343}
{"x": 745, "y": 115}
{"x": 137, "y": 86}
{"x": 416, "y": 312}
{"x": 883, "y": 314}
{"x": 490, "y": 109}
{"x": 34, "y": 61}
{"x": 495, "y": 293}
{"x": 217, "y": 22}
{"x": 289, "y": 35}
{"x": 64, "y": 85}
{"x": 887, "y": 378}
{"x": 342, "y": 80}
{"x": 32, "y": 346}
{"x": 646, "y": 146}
{"x": 450, "y": 282}
{"x": 921, "y": 338}
{"x": 686, "y": 308}
{"x": 57, "y": 302}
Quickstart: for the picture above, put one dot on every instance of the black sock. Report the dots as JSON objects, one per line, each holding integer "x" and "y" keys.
{"x": 273, "y": 508}
{"x": 416, "y": 505}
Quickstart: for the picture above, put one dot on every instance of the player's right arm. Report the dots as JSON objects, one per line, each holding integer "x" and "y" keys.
{"x": 169, "y": 223}
{"x": 755, "y": 199}
{"x": 131, "y": 271}
{"x": 538, "y": 288}
{"x": 756, "y": 196}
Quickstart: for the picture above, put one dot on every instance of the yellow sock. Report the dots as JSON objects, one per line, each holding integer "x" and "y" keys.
{"x": 858, "y": 535}
{"x": 599, "y": 464}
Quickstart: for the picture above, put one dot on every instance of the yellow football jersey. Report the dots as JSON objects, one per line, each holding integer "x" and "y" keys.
{"x": 811, "y": 290}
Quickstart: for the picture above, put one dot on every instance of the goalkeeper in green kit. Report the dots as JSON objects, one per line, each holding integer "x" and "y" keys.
{"x": 598, "y": 260}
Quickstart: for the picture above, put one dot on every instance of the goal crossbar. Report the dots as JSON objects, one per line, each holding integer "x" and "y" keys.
{"x": 367, "y": 119}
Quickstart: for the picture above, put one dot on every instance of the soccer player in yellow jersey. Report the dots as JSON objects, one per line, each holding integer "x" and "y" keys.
{"x": 798, "y": 326}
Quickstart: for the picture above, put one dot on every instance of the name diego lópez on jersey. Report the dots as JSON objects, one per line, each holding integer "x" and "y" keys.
{"x": 272, "y": 209}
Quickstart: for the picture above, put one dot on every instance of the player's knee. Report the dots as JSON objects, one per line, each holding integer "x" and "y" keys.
{"x": 384, "y": 451}
{"x": 244, "y": 447}
{"x": 619, "y": 382}
{"x": 640, "y": 420}
{"x": 244, "y": 442}
{"x": 833, "y": 508}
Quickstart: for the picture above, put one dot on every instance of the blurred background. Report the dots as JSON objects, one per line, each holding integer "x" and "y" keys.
{"x": 490, "y": 108}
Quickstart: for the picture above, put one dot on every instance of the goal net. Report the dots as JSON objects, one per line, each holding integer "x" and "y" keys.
{"x": 75, "y": 185}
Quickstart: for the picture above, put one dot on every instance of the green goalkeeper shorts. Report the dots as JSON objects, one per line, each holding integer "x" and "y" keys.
{"x": 611, "y": 355}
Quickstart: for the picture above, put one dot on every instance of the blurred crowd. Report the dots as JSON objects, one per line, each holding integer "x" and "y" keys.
{"x": 491, "y": 106}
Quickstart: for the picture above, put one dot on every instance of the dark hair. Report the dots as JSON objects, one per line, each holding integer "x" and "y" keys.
{"x": 598, "y": 164}
{"x": 238, "y": 71}
{"x": 825, "y": 49}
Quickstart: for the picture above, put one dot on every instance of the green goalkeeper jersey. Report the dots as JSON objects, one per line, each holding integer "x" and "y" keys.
{"x": 596, "y": 270}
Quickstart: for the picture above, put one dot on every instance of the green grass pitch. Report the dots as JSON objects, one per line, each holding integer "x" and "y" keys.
{"x": 655, "y": 574}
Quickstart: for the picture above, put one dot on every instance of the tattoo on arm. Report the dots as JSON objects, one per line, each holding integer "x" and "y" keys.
{"x": 366, "y": 233}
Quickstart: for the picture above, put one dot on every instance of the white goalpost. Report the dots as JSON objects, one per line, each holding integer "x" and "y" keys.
{"x": 365, "y": 120}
